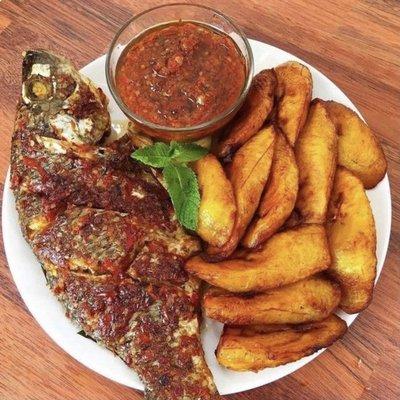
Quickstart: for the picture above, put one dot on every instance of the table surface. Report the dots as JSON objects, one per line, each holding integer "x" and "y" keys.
{"x": 354, "y": 42}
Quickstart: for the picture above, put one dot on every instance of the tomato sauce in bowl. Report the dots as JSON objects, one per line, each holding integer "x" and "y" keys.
{"x": 179, "y": 71}
{"x": 181, "y": 74}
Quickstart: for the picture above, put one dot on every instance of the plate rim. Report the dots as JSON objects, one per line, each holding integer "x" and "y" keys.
{"x": 235, "y": 387}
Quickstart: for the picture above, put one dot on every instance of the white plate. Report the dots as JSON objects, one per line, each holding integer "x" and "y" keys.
{"x": 48, "y": 312}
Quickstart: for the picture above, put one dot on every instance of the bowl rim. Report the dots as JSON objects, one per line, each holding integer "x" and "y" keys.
{"x": 186, "y": 129}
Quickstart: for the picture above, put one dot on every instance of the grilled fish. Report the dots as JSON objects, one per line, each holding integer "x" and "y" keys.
{"x": 104, "y": 230}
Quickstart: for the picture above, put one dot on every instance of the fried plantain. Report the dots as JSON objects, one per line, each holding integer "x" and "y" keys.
{"x": 255, "y": 350}
{"x": 358, "y": 149}
{"x": 311, "y": 299}
{"x": 316, "y": 156}
{"x": 352, "y": 240}
{"x": 293, "y": 94}
{"x": 248, "y": 173}
{"x": 217, "y": 211}
{"x": 279, "y": 196}
{"x": 285, "y": 258}
{"x": 251, "y": 116}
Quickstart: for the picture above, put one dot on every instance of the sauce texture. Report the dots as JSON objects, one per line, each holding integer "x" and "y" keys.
{"x": 181, "y": 75}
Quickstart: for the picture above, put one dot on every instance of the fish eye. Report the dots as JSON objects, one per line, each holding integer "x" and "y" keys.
{"x": 37, "y": 88}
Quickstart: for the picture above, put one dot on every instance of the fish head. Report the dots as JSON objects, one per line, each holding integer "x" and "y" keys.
{"x": 43, "y": 76}
{"x": 69, "y": 104}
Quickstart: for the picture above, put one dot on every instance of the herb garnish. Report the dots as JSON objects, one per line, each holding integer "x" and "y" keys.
{"x": 180, "y": 180}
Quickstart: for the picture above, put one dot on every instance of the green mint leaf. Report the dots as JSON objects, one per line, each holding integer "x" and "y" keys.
{"x": 180, "y": 180}
{"x": 184, "y": 192}
{"x": 186, "y": 152}
{"x": 157, "y": 155}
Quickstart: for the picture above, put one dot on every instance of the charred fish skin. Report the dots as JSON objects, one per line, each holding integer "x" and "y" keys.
{"x": 104, "y": 230}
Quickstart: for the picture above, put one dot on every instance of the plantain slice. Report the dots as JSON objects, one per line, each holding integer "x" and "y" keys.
{"x": 217, "y": 211}
{"x": 285, "y": 258}
{"x": 248, "y": 174}
{"x": 252, "y": 349}
{"x": 316, "y": 156}
{"x": 352, "y": 240}
{"x": 279, "y": 197}
{"x": 308, "y": 300}
{"x": 293, "y": 93}
{"x": 251, "y": 116}
{"x": 358, "y": 149}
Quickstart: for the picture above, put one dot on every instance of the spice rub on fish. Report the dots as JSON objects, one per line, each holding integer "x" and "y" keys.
{"x": 104, "y": 230}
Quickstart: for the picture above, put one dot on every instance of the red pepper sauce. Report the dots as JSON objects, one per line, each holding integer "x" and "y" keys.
{"x": 181, "y": 74}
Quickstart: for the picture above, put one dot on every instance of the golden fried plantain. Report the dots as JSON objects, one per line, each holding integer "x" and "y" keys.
{"x": 293, "y": 93}
{"x": 352, "y": 240}
{"x": 316, "y": 156}
{"x": 358, "y": 148}
{"x": 251, "y": 116}
{"x": 253, "y": 352}
{"x": 285, "y": 258}
{"x": 217, "y": 209}
{"x": 311, "y": 299}
{"x": 279, "y": 197}
{"x": 248, "y": 173}
{"x": 251, "y": 330}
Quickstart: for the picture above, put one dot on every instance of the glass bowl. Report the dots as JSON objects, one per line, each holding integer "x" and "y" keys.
{"x": 163, "y": 15}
